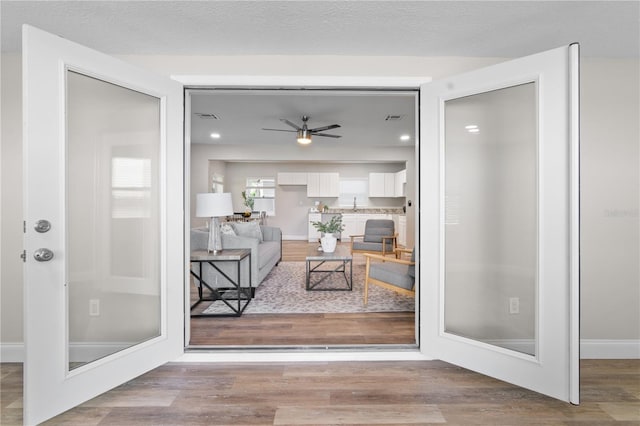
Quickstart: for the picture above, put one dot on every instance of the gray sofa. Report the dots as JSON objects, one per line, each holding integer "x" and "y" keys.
{"x": 265, "y": 255}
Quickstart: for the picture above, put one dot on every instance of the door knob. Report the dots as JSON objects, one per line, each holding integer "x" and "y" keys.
{"x": 43, "y": 255}
{"x": 42, "y": 226}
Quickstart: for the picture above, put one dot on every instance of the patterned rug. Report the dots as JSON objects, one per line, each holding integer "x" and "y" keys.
{"x": 283, "y": 291}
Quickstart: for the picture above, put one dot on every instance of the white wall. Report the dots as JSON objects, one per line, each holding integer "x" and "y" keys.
{"x": 609, "y": 179}
{"x": 610, "y": 139}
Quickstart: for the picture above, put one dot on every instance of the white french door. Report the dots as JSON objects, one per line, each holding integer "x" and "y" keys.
{"x": 103, "y": 156}
{"x": 104, "y": 258}
{"x": 499, "y": 221}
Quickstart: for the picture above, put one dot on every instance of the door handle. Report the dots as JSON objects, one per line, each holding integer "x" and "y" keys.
{"x": 43, "y": 255}
{"x": 42, "y": 226}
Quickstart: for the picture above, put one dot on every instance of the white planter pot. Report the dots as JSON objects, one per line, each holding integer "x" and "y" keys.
{"x": 328, "y": 242}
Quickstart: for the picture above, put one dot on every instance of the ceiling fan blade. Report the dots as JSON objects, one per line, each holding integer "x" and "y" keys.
{"x": 280, "y": 130}
{"x": 325, "y": 135}
{"x": 295, "y": 126}
{"x": 321, "y": 129}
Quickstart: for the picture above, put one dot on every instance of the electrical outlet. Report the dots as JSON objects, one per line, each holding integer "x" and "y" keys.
{"x": 514, "y": 305}
{"x": 94, "y": 307}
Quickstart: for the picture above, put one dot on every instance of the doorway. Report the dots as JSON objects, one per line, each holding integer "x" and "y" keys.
{"x": 230, "y": 147}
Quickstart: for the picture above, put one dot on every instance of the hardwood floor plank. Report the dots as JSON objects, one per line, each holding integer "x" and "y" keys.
{"x": 344, "y": 393}
{"x": 622, "y": 412}
{"x": 359, "y": 414}
{"x": 385, "y": 328}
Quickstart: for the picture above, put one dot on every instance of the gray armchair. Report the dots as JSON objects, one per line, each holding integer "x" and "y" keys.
{"x": 394, "y": 274}
{"x": 379, "y": 238}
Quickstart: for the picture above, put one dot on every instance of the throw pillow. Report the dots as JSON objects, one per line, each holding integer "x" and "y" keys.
{"x": 227, "y": 229}
{"x": 248, "y": 229}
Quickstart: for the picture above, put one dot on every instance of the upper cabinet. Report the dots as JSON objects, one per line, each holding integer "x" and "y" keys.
{"x": 387, "y": 184}
{"x": 292, "y": 178}
{"x": 323, "y": 184}
{"x": 400, "y": 180}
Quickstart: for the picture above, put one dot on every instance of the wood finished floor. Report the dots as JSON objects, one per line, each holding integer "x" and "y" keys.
{"x": 395, "y": 328}
{"x": 341, "y": 393}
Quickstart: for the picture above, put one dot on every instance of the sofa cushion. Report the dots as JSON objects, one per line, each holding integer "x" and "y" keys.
{"x": 360, "y": 245}
{"x": 392, "y": 273}
{"x": 248, "y": 229}
{"x": 412, "y": 268}
{"x": 267, "y": 251}
{"x": 227, "y": 229}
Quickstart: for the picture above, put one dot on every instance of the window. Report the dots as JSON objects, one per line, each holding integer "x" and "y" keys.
{"x": 263, "y": 192}
{"x": 354, "y": 188}
{"x": 217, "y": 183}
{"x": 130, "y": 187}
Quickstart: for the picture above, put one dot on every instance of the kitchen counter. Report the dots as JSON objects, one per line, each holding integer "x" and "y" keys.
{"x": 372, "y": 210}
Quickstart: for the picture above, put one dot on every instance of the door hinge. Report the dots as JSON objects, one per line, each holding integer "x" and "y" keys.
{"x": 24, "y": 226}
{"x": 23, "y": 255}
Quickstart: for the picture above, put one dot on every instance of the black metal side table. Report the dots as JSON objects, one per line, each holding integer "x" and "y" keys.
{"x": 226, "y": 295}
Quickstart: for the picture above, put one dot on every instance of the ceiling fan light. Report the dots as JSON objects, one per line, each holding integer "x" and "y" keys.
{"x": 304, "y": 137}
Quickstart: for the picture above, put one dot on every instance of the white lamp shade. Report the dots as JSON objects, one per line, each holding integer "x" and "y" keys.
{"x": 213, "y": 204}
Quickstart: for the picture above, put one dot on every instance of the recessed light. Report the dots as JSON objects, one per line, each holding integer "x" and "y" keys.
{"x": 405, "y": 137}
{"x": 215, "y": 135}
{"x": 471, "y": 126}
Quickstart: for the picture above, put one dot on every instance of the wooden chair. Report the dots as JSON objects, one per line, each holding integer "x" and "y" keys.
{"x": 394, "y": 274}
{"x": 379, "y": 238}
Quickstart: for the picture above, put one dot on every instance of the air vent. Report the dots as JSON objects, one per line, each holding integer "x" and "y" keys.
{"x": 393, "y": 117}
{"x": 207, "y": 116}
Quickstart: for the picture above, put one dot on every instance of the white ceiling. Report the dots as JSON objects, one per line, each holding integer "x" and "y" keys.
{"x": 359, "y": 28}
{"x": 388, "y": 28}
{"x": 362, "y": 115}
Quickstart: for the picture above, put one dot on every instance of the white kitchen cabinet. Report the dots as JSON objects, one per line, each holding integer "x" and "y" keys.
{"x": 400, "y": 180}
{"x": 376, "y": 184}
{"x": 354, "y": 223}
{"x": 389, "y": 184}
{"x": 323, "y": 184}
{"x": 292, "y": 178}
{"x": 314, "y": 234}
{"x": 350, "y": 222}
{"x": 383, "y": 185}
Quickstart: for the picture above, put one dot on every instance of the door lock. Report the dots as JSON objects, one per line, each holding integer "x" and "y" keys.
{"x": 43, "y": 255}
{"x": 42, "y": 226}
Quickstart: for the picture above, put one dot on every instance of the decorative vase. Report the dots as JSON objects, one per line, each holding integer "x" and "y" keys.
{"x": 328, "y": 242}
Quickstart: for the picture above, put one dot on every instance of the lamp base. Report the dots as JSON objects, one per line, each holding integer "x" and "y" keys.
{"x": 215, "y": 240}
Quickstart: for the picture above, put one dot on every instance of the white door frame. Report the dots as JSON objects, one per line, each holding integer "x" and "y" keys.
{"x": 294, "y": 82}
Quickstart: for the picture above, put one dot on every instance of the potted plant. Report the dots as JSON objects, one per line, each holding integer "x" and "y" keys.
{"x": 248, "y": 202}
{"x": 328, "y": 230}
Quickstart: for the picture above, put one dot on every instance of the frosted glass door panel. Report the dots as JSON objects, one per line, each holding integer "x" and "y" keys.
{"x": 490, "y": 217}
{"x": 113, "y": 222}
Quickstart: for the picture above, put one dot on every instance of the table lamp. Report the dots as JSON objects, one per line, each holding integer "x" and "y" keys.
{"x": 214, "y": 205}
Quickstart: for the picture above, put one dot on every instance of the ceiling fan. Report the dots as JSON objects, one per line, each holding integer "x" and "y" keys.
{"x": 304, "y": 133}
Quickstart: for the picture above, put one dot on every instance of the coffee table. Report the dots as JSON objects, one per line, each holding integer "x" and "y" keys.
{"x": 317, "y": 259}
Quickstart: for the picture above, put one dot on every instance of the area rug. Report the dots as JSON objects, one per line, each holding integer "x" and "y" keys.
{"x": 283, "y": 291}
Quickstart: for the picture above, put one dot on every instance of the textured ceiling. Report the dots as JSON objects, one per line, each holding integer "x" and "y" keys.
{"x": 359, "y": 28}
{"x": 418, "y": 28}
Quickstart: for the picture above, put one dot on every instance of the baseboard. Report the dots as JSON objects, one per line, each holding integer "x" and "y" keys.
{"x": 294, "y": 237}
{"x": 11, "y": 352}
{"x": 589, "y": 349}
{"x": 609, "y": 349}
